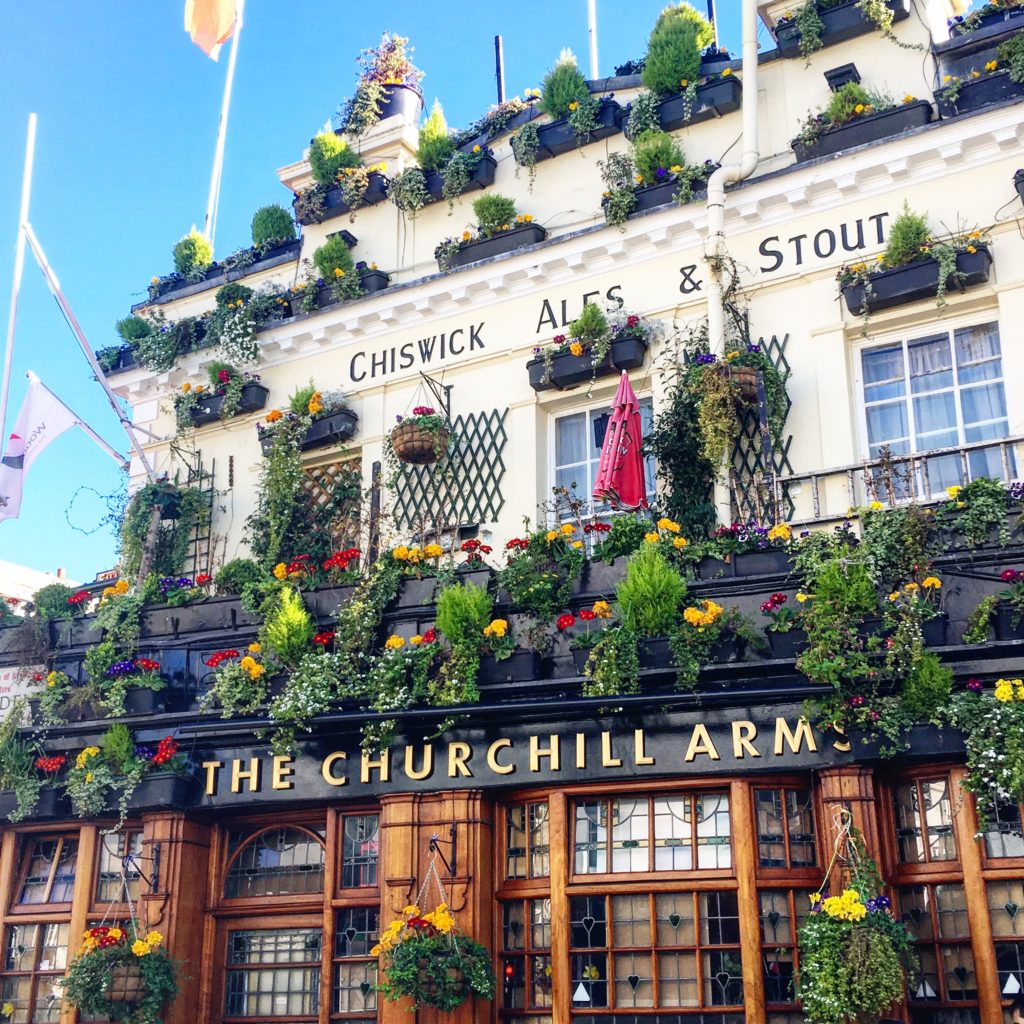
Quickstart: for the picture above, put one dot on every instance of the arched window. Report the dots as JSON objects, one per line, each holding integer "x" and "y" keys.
{"x": 275, "y": 862}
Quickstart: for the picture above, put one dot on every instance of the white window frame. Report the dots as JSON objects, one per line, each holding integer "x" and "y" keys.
{"x": 575, "y": 410}
{"x": 914, "y": 332}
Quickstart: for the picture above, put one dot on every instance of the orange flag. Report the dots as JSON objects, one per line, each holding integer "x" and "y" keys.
{"x": 210, "y": 23}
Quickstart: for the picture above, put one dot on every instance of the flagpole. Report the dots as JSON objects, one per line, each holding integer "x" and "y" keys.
{"x": 69, "y": 316}
{"x": 210, "y": 225}
{"x": 592, "y": 35}
{"x": 19, "y": 266}
{"x": 115, "y": 455}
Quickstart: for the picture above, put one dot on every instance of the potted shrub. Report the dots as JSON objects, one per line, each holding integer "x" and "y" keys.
{"x": 336, "y": 267}
{"x": 231, "y": 392}
{"x": 540, "y": 570}
{"x": 121, "y": 974}
{"x": 786, "y": 638}
{"x": 132, "y": 686}
{"x": 599, "y": 343}
{"x": 22, "y": 779}
{"x": 325, "y": 415}
{"x": 388, "y": 85}
{"x": 419, "y": 439}
{"x": 168, "y": 782}
{"x": 273, "y": 233}
{"x": 193, "y": 264}
{"x": 577, "y": 118}
{"x": 343, "y": 184}
{"x": 444, "y": 171}
{"x": 105, "y": 774}
{"x": 995, "y": 81}
{"x": 855, "y": 117}
{"x": 818, "y": 23}
{"x": 424, "y": 959}
{"x": 916, "y": 266}
{"x": 500, "y": 229}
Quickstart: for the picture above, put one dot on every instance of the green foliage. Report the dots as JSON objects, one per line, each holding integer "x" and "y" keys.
{"x": 978, "y": 511}
{"x": 328, "y": 155}
{"x": 613, "y": 667}
{"x": 132, "y": 328}
{"x": 525, "y": 145}
{"x": 643, "y": 115}
{"x": 192, "y": 254}
{"x": 625, "y": 537}
{"x": 650, "y": 596}
{"x": 1011, "y": 56}
{"x": 562, "y": 85}
{"x": 18, "y": 755}
{"x": 408, "y": 191}
{"x": 435, "y": 144}
{"x": 539, "y": 578}
{"x": 810, "y": 26}
{"x": 980, "y": 620}
{"x": 591, "y": 325}
{"x": 909, "y": 232}
{"x": 653, "y": 151}
{"x": 455, "y": 969}
{"x": 173, "y": 535}
{"x": 272, "y": 224}
{"x": 618, "y": 173}
{"x": 845, "y": 100}
{"x": 118, "y": 746}
{"x": 463, "y": 610}
{"x": 288, "y": 630}
{"x": 229, "y": 294}
{"x": 493, "y": 212}
{"x": 237, "y": 574}
{"x": 896, "y": 542}
{"x": 51, "y": 602}
{"x": 927, "y": 689}
{"x": 674, "y": 47}
{"x": 334, "y": 255}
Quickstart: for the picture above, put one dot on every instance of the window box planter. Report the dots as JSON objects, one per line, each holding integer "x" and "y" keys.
{"x": 479, "y": 575}
{"x": 73, "y": 632}
{"x": 916, "y": 281}
{"x": 521, "y": 667}
{"x": 53, "y": 803}
{"x": 254, "y": 398}
{"x": 172, "y": 287}
{"x": 334, "y": 428}
{"x": 600, "y": 578}
{"x": 714, "y": 99}
{"x": 400, "y": 99}
{"x": 140, "y": 700}
{"x": 482, "y": 177}
{"x": 163, "y": 791}
{"x": 335, "y": 206}
{"x": 514, "y": 122}
{"x": 519, "y": 237}
{"x": 125, "y": 361}
{"x": 714, "y": 568}
{"x": 838, "y": 25}
{"x": 324, "y": 602}
{"x": 415, "y": 593}
{"x": 863, "y": 130}
{"x": 770, "y": 562}
{"x": 656, "y": 652}
{"x": 786, "y": 646}
{"x": 557, "y": 137}
{"x": 290, "y": 248}
{"x": 934, "y": 630}
{"x": 374, "y": 280}
{"x": 986, "y": 20}
{"x": 651, "y": 197}
{"x": 1005, "y": 624}
{"x": 976, "y": 93}
{"x": 569, "y": 371}
{"x": 580, "y": 656}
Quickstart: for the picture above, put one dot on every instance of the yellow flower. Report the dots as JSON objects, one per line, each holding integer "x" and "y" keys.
{"x": 946, "y": 78}
{"x": 394, "y": 642}
{"x": 815, "y": 898}
{"x": 577, "y": 544}
{"x": 7, "y": 1009}
{"x": 255, "y": 647}
{"x": 115, "y": 933}
{"x": 89, "y": 776}
{"x": 780, "y": 531}
{"x": 280, "y": 571}
{"x": 801, "y": 597}
{"x": 971, "y": 248}
{"x": 876, "y": 506}
{"x": 401, "y": 553}
{"x": 338, "y": 272}
{"x": 602, "y": 609}
{"x": 684, "y": 82}
{"x": 476, "y": 149}
{"x": 911, "y": 588}
{"x": 567, "y": 529}
{"x": 652, "y": 537}
{"x": 498, "y": 628}
{"x": 894, "y": 596}
{"x": 154, "y": 280}
{"x": 639, "y": 179}
{"x": 433, "y": 551}
{"x": 377, "y": 950}
{"x": 591, "y": 973}
{"x": 416, "y": 640}
{"x": 975, "y": 74}
{"x": 154, "y": 939}
{"x": 139, "y": 948}
{"x": 466, "y": 236}
{"x": 908, "y": 98}
{"x": 992, "y": 65}
{"x": 727, "y": 72}
{"x": 574, "y": 105}
{"x": 52, "y": 679}
{"x": 668, "y": 524}
{"x": 1005, "y": 689}
{"x": 528, "y": 217}
{"x": 931, "y": 583}
{"x": 859, "y": 109}
{"x": 551, "y": 535}
{"x": 731, "y": 355}
{"x": 415, "y": 554}
{"x": 576, "y": 348}
{"x": 675, "y": 168}
{"x": 679, "y": 543}
{"x": 186, "y": 387}
{"x": 413, "y": 910}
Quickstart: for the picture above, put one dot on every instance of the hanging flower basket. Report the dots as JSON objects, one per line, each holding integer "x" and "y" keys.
{"x": 745, "y": 379}
{"x": 121, "y": 974}
{"x": 421, "y": 438}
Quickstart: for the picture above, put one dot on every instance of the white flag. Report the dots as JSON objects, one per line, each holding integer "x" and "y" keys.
{"x": 43, "y": 418}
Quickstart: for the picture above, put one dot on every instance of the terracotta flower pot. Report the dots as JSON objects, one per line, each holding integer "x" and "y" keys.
{"x": 416, "y": 446}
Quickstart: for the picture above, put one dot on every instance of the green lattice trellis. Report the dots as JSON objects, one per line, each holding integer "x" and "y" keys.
{"x": 463, "y": 488}
{"x": 750, "y": 486}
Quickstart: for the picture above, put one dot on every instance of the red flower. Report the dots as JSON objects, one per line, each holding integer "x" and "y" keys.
{"x": 203, "y": 579}
{"x": 596, "y": 527}
{"x": 430, "y": 636}
{"x": 485, "y": 549}
{"x": 632, "y": 321}
{"x": 51, "y": 764}
{"x": 423, "y": 410}
{"x": 1007, "y": 576}
{"x": 518, "y": 544}
{"x": 223, "y": 376}
{"x": 324, "y": 637}
{"x": 559, "y": 339}
{"x": 217, "y": 657}
{"x": 38, "y": 677}
{"x": 566, "y": 621}
{"x": 79, "y": 596}
{"x": 587, "y": 615}
{"x": 165, "y": 750}
{"x": 13, "y": 601}
{"x": 146, "y": 664}
{"x": 469, "y": 545}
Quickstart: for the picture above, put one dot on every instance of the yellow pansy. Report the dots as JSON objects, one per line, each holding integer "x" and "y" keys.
{"x": 780, "y": 531}
{"x": 139, "y": 948}
{"x": 876, "y": 506}
{"x": 668, "y": 524}
{"x": 801, "y": 596}
{"x": 255, "y": 647}
{"x": 498, "y": 628}
{"x": 433, "y": 551}
{"x": 652, "y": 537}
{"x": 576, "y": 348}
{"x": 727, "y": 72}
{"x": 953, "y": 492}
{"x": 574, "y": 105}
{"x": 394, "y": 642}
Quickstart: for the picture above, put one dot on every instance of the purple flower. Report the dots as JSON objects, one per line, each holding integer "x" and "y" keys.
{"x": 974, "y": 685}
{"x": 704, "y": 359}
{"x": 398, "y": 419}
{"x": 754, "y": 348}
{"x": 1017, "y": 491}
{"x": 120, "y": 669}
{"x": 146, "y": 753}
{"x": 805, "y": 533}
{"x": 660, "y": 172}
{"x": 878, "y": 903}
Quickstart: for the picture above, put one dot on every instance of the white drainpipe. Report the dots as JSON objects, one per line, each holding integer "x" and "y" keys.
{"x": 714, "y": 243}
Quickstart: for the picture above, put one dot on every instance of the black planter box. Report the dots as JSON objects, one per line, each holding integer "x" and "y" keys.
{"x": 400, "y": 99}
{"x": 324, "y": 602}
{"x": 838, "y": 25}
{"x": 992, "y": 18}
{"x": 557, "y": 137}
{"x": 506, "y": 241}
{"x": 480, "y": 575}
{"x": 141, "y": 700}
{"x": 714, "y": 568}
{"x": 769, "y": 562}
{"x": 728, "y": 649}
{"x": 714, "y": 99}
{"x": 652, "y": 196}
{"x": 863, "y": 130}
{"x": 655, "y": 652}
{"x": 1018, "y": 184}
{"x": 916, "y": 281}
{"x": 163, "y": 791}
{"x": 335, "y": 206}
{"x": 1006, "y": 623}
{"x": 125, "y": 361}
{"x": 335, "y": 428}
{"x": 52, "y": 803}
{"x": 254, "y": 397}
{"x": 786, "y": 646}
{"x": 374, "y": 280}
{"x": 482, "y": 177}
{"x": 569, "y": 371}
{"x": 600, "y": 578}
{"x": 414, "y": 593}
{"x": 976, "y": 93}
{"x": 517, "y": 121}
{"x": 934, "y": 630}
{"x": 521, "y": 667}
{"x": 580, "y": 657}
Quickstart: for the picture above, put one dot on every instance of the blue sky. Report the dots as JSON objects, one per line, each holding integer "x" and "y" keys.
{"x": 128, "y": 113}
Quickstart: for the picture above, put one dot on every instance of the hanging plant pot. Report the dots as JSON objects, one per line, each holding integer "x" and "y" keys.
{"x": 745, "y": 379}
{"x": 846, "y": 21}
{"x": 401, "y": 100}
{"x": 418, "y": 447}
{"x": 482, "y": 177}
{"x": 976, "y": 93}
{"x": 254, "y": 398}
{"x": 864, "y": 130}
{"x": 125, "y": 984}
{"x": 558, "y": 137}
{"x": 916, "y": 282}
{"x": 714, "y": 99}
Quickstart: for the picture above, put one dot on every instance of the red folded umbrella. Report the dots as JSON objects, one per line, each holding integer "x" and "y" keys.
{"x": 620, "y": 472}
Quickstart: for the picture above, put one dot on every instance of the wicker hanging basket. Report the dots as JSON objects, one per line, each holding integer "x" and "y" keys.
{"x": 745, "y": 379}
{"x": 416, "y": 446}
{"x": 125, "y": 984}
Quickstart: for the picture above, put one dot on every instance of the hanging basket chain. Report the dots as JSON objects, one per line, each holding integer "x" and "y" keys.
{"x": 432, "y": 873}
{"x": 843, "y": 847}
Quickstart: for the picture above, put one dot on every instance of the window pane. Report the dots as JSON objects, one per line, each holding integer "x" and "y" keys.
{"x": 588, "y": 924}
{"x": 723, "y": 978}
{"x": 515, "y": 841}
{"x": 713, "y": 849}
{"x": 540, "y": 923}
{"x": 283, "y": 861}
{"x": 935, "y": 417}
{"x": 1006, "y": 908}
{"x": 113, "y": 850}
{"x": 673, "y": 850}
{"x": 931, "y": 364}
{"x": 887, "y": 423}
{"x": 51, "y": 871}
{"x": 355, "y": 975}
{"x": 977, "y": 352}
{"x": 883, "y": 372}
{"x": 591, "y": 837}
{"x": 360, "y": 850}
{"x": 983, "y": 403}
{"x": 631, "y": 921}
{"x": 1004, "y": 837}
{"x": 939, "y": 818}
{"x": 720, "y": 918}
{"x": 629, "y": 835}
{"x": 273, "y": 983}
{"x": 570, "y": 439}
{"x": 539, "y": 844}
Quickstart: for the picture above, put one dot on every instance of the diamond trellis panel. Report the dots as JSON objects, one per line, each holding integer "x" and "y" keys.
{"x": 467, "y": 483}
{"x": 320, "y": 482}
{"x": 751, "y": 493}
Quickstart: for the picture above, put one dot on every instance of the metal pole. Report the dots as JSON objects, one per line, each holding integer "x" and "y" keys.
{"x": 499, "y": 67}
{"x": 713, "y": 20}
{"x": 210, "y": 225}
{"x": 65, "y": 308}
{"x": 592, "y": 35}
{"x": 19, "y": 266}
